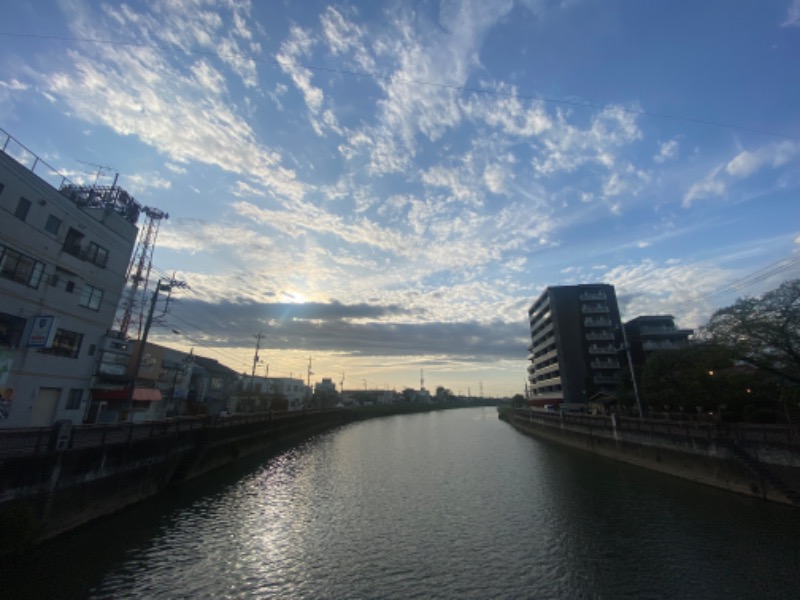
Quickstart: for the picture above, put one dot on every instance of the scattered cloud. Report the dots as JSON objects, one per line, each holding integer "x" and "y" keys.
{"x": 668, "y": 150}
{"x": 792, "y": 15}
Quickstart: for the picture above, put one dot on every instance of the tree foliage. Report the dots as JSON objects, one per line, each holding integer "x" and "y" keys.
{"x": 763, "y": 332}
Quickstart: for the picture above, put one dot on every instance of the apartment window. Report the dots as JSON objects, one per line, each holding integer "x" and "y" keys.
{"x": 65, "y": 343}
{"x": 70, "y": 287}
{"x": 23, "y": 206}
{"x": 53, "y": 225}
{"x": 20, "y": 268}
{"x": 96, "y": 254}
{"x": 11, "y": 329}
{"x": 74, "y": 399}
{"x": 72, "y": 243}
{"x": 91, "y": 297}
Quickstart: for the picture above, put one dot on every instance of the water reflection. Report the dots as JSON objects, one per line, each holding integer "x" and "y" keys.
{"x": 443, "y": 505}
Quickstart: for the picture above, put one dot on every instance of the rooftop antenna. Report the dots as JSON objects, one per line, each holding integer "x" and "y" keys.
{"x": 421, "y": 379}
{"x": 341, "y": 388}
{"x": 100, "y": 170}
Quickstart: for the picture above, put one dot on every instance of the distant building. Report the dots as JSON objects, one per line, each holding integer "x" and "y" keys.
{"x": 64, "y": 254}
{"x": 648, "y": 334}
{"x": 572, "y": 352}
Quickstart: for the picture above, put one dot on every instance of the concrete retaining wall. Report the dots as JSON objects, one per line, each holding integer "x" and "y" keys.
{"x": 45, "y": 491}
{"x": 769, "y": 470}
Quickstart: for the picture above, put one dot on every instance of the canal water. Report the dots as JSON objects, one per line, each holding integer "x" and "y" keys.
{"x": 452, "y": 504}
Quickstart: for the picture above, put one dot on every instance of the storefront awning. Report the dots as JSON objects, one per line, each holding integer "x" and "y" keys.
{"x": 139, "y": 395}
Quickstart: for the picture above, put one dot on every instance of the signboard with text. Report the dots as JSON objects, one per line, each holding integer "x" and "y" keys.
{"x": 42, "y": 332}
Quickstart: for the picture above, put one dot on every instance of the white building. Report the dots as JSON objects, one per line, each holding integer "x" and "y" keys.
{"x": 63, "y": 262}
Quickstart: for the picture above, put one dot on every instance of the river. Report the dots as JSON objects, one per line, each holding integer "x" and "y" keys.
{"x": 450, "y": 504}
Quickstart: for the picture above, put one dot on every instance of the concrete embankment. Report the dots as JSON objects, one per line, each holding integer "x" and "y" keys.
{"x": 52, "y": 481}
{"x": 757, "y": 460}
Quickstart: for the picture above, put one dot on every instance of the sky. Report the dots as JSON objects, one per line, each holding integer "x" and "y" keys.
{"x": 384, "y": 188}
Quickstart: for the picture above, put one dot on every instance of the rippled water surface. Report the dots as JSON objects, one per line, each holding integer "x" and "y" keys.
{"x": 452, "y": 504}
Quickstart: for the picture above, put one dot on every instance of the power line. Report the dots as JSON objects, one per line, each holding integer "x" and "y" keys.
{"x": 407, "y": 81}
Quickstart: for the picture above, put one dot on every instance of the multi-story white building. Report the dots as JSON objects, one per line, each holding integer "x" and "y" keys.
{"x": 64, "y": 254}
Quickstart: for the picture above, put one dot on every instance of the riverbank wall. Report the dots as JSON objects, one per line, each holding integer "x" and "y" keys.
{"x": 53, "y": 480}
{"x": 757, "y": 460}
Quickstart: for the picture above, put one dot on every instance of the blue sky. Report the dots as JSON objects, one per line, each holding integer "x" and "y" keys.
{"x": 386, "y": 186}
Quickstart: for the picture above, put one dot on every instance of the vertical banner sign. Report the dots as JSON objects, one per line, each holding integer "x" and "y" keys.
{"x": 42, "y": 332}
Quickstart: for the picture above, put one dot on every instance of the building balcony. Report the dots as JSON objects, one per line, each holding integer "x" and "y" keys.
{"x": 596, "y": 322}
{"x": 606, "y": 379}
{"x": 594, "y": 309}
{"x": 600, "y": 336}
{"x": 590, "y": 296}
{"x": 604, "y": 364}
{"x": 605, "y": 349}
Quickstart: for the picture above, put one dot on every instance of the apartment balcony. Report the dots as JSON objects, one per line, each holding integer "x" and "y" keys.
{"x": 663, "y": 330}
{"x": 591, "y": 296}
{"x": 605, "y": 379}
{"x": 596, "y": 309}
{"x": 596, "y": 322}
{"x": 547, "y": 368}
{"x": 649, "y": 346}
{"x": 604, "y": 364}
{"x": 542, "y": 329}
{"x": 605, "y": 349}
{"x": 600, "y": 336}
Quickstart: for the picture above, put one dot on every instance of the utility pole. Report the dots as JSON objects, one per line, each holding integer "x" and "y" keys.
{"x": 160, "y": 286}
{"x": 253, "y": 373}
{"x": 627, "y": 347}
{"x": 308, "y": 381}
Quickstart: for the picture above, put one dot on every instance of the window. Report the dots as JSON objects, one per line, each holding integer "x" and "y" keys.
{"x": 53, "y": 225}
{"x": 23, "y": 206}
{"x": 74, "y": 399}
{"x": 65, "y": 343}
{"x": 11, "y": 329}
{"x": 96, "y": 254}
{"x": 2, "y": 187}
{"x": 20, "y": 268}
{"x": 70, "y": 287}
{"x": 91, "y": 297}
{"x": 72, "y": 243}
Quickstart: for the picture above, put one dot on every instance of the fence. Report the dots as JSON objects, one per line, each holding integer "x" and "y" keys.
{"x": 648, "y": 428}
{"x": 36, "y": 440}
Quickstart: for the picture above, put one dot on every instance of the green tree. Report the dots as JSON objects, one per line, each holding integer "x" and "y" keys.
{"x": 763, "y": 332}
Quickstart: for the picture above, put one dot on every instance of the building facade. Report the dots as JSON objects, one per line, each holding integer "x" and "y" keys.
{"x": 648, "y": 334}
{"x": 572, "y": 354}
{"x": 64, "y": 255}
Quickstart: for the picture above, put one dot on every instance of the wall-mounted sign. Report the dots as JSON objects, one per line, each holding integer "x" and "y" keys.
{"x": 43, "y": 330}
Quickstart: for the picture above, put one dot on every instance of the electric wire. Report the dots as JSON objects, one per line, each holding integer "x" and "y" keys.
{"x": 407, "y": 81}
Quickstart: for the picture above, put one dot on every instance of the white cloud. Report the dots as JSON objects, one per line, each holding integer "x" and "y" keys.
{"x": 710, "y": 185}
{"x": 667, "y": 151}
{"x": 139, "y": 182}
{"x": 566, "y": 147}
{"x": 145, "y": 92}
{"x": 14, "y": 85}
{"x": 677, "y": 289}
{"x": 792, "y": 15}
{"x": 746, "y": 163}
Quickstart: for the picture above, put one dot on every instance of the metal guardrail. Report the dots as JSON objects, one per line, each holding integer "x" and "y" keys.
{"x": 35, "y": 440}
{"x": 698, "y": 430}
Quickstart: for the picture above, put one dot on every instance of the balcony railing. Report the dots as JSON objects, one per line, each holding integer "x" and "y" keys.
{"x": 595, "y": 309}
{"x": 604, "y": 364}
{"x": 589, "y": 296}
{"x": 607, "y": 349}
{"x": 591, "y": 322}
{"x": 600, "y": 336}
